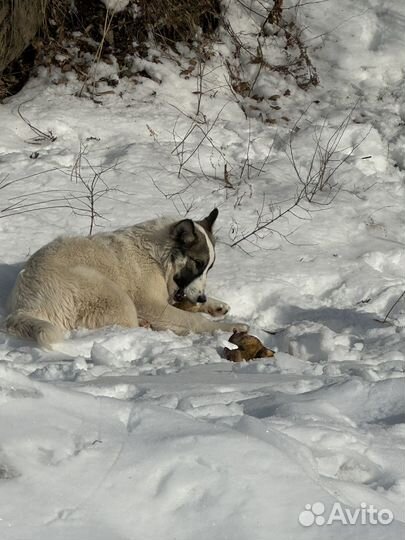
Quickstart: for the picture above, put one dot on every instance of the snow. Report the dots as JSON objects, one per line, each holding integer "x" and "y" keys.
{"x": 122, "y": 434}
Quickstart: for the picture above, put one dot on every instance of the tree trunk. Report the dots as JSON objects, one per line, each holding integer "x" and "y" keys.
{"x": 20, "y": 20}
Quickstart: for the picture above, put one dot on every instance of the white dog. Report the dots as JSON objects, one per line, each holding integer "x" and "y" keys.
{"x": 114, "y": 278}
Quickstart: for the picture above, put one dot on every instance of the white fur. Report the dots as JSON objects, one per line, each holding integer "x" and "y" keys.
{"x": 197, "y": 287}
{"x": 102, "y": 280}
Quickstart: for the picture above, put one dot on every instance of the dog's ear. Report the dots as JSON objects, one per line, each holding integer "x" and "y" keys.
{"x": 183, "y": 233}
{"x": 209, "y": 221}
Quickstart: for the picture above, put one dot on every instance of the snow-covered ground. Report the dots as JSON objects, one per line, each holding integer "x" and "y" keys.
{"x": 126, "y": 434}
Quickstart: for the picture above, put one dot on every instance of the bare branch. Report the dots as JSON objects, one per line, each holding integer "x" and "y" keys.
{"x": 40, "y": 135}
{"x": 393, "y": 305}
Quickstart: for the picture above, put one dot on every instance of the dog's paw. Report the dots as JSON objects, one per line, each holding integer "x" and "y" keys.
{"x": 216, "y": 308}
{"x": 143, "y": 323}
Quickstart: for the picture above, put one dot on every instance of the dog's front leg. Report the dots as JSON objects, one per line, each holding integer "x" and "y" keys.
{"x": 215, "y": 308}
{"x": 167, "y": 317}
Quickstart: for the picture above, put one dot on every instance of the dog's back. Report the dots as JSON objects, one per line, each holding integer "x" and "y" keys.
{"x": 60, "y": 285}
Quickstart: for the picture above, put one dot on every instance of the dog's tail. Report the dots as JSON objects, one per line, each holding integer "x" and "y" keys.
{"x": 25, "y": 325}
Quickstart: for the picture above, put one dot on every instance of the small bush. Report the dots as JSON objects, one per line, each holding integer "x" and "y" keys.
{"x": 179, "y": 20}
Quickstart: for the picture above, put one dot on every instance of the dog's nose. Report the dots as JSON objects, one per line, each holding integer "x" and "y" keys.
{"x": 202, "y": 299}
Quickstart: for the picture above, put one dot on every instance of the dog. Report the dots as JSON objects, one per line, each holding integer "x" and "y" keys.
{"x": 119, "y": 278}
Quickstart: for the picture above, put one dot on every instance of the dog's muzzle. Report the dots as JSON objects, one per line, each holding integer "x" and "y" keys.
{"x": 180, "y": 295}
{"x": 195, "y": 291}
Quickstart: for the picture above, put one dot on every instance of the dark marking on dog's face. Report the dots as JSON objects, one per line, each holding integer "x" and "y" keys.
{"x": 195, "y": 242}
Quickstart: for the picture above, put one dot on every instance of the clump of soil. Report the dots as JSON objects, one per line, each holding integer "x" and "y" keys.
{"x": 249, "y": 347}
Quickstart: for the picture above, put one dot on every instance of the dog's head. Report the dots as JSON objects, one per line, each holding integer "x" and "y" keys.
{"x": 195, "y": 244}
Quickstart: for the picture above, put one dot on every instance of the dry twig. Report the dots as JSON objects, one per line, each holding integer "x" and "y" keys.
{"x": 41, "y": 136}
